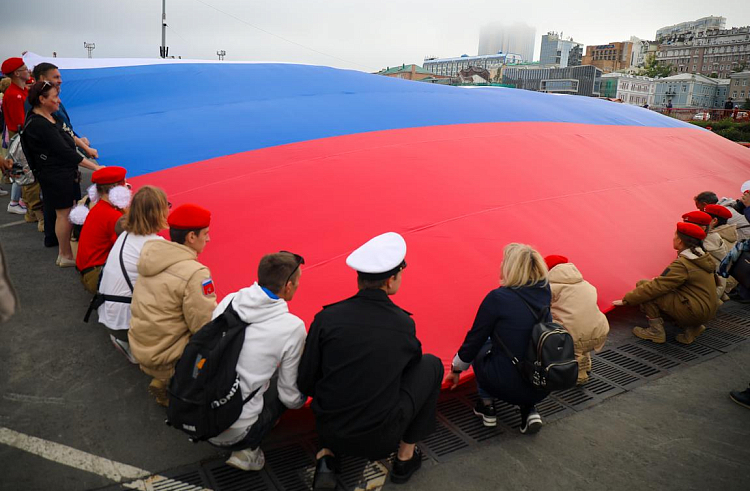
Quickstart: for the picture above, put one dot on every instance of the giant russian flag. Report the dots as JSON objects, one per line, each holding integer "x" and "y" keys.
{"x": 318, "y": 160}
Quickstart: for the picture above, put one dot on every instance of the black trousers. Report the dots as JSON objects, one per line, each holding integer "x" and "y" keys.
{"x": 273, "y": 408}
{"x": 413, "y": 417}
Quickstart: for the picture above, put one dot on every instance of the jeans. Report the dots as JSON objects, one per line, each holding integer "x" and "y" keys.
{"x": 15, "y": 193}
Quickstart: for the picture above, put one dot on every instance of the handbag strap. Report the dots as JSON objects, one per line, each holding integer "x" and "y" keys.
{"x": 122, "y": 264}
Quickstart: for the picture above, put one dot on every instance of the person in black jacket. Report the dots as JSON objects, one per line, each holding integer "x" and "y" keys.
{"x": 372, "y": 387}
{"x": 51, "y": 153}
{"x": 503, "y": 314}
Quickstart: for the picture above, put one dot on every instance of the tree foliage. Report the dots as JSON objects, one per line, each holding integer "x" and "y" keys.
{"x": 652, "y": 68}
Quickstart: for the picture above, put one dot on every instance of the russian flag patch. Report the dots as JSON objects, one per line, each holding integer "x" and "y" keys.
{"x": 208, "y": 287}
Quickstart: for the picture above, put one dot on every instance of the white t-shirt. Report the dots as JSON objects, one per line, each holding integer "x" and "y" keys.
{"x": 116, "y": 315}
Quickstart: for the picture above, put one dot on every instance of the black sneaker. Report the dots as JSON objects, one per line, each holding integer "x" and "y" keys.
{"x": 531, "y": 423}
{"x": 486, "y": 412}
{"x": 403, "y": 469}
{"x": 325, "y": 473}
{"x": 741, "y": 398}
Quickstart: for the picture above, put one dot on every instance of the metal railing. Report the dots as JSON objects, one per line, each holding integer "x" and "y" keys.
{"x": 704, "y": 114}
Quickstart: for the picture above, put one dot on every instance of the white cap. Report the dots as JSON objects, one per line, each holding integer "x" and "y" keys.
{"x": 379, "y": 257}
{"x": 745, "y": 187}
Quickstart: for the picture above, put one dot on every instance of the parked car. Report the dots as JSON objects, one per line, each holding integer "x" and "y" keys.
{"x": 702, "y": 116}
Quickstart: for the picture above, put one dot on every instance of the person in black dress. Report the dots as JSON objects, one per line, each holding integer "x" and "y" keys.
{"x": 51, "y": 153}
{"x": 373, "y": 390}
{"x": 508, "y": 312}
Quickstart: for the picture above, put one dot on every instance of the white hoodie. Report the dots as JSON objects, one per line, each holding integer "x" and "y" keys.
{"x": 274, "y": 339}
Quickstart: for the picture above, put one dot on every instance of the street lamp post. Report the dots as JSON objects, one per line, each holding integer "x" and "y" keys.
{"x": 89, "y": 46}
{"x": 221, "y": 54}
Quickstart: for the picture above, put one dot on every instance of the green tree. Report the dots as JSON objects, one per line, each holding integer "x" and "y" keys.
{"x": 652, "y": 68}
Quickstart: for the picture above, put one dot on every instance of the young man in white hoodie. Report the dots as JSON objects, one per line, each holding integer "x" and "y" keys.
{"x": 269, "y": 357}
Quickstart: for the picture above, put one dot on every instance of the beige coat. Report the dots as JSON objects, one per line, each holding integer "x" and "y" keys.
{"x": 715, "y": 245}
{"x": 574, "y": 305}
{"x": 171, "y": 301}
{"x": 728, "y": 234}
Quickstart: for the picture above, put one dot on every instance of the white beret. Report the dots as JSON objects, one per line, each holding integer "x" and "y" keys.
{"x": 745, "y": 187}
{"x": 381, "y": 254}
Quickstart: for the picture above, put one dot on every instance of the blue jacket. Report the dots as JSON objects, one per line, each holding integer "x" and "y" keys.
{"x": 504, "y": 313}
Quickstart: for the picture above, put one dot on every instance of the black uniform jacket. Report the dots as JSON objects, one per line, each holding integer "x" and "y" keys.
{"x": 355, "y": 355}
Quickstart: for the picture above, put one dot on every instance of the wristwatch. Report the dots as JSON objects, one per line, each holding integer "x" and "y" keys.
{"x": 457, "y": 372}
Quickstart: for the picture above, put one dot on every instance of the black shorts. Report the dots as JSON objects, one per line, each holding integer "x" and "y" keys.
{"x": 60, "y": 192}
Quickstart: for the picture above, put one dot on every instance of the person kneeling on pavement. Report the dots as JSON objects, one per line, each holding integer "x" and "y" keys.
{"x": 685, "y": 291}
{"x": 372, "y": 387}
{"x": 269, "y": 357}
{"x": 98, "y": 233}
{"x": 173, "y": 298}
{"x": 574, "y": 307}
{"x": 507, "y": 315}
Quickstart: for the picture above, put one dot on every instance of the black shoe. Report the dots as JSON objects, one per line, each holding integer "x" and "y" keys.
{"x": 531, "y": 422}
{"x": 741, "y": 398}
{"x": 50, "y": 243}
{"x": 325, "y": 473}
{"x": 735, "y": 296}
{"x": 403, "y": 469}
{"x": 486, "y": 412}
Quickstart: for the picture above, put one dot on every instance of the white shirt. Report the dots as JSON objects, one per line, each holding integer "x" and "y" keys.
{"x": 116, "y": 315}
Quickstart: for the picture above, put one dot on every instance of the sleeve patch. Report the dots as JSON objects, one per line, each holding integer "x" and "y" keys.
{"x": 208, "y": 287}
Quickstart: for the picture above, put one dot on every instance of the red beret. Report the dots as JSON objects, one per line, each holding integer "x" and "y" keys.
{"x": 109, "y": 175}
{"x": 189, "y": 217}
{"x": 718, "y": 211}
{"x": 554, "y": 260}
{"x": 691, "y": 230}
{"x": 11, "y": 65}
{"x": 697, "y": 217}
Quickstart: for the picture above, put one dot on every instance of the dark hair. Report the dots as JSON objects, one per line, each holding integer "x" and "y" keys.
{"x": 42, "y": 69}
{"x": 38, "y": 90}
{"x": 708, "y": 197}
{"x": 720, "y": 220}
{"x": 691, "y": 242}
{"x": 364, "y": 284}
{"x": 274, "y": 269}
{"x": 180, "y": 235}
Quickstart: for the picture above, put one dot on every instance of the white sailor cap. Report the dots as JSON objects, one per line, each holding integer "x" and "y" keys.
{"x": 380, "y": 257}
{"x": 745, "y": 187}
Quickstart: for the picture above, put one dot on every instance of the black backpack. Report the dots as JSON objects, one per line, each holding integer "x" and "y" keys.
{"x": 550, "y": 362}
{"x": 204, "y": 394}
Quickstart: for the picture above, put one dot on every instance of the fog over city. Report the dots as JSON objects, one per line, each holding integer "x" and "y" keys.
{"x": 359, "y": 35}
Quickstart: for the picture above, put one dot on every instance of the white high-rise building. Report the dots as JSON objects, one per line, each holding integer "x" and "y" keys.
{"x": 516, "y": 38}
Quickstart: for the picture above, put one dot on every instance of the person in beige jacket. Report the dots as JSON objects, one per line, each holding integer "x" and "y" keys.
{"x": 720, "y": 226}
{"x": 574, "y": 307}
{"x": 713, "y": 244}
{"x": 173, "y": 298}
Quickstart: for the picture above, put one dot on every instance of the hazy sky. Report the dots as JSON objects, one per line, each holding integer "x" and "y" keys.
{"x": 343, "y": 33}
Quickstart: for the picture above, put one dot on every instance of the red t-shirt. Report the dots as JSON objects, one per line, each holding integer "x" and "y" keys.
{"x": 97, "y": 235}
{"x": 13, "y": 109}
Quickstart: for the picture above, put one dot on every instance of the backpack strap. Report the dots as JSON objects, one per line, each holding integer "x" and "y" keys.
{"x": 122, "y": 264}
{"x": 540, "y": 316}
{"x": 231, "y": 311}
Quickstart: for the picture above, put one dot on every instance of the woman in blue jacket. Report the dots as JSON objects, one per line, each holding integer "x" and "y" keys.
{"x": 504, "y": 314}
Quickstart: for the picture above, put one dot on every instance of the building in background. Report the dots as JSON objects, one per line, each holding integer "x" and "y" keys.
{"x": 610, "y": 57}
{"x": 739, "y": 87}
{"x": 449, "y": 67}
{"x": 577, "y": 80}
{"x": 711, "y": 53}
{"x": 630, "y": 89}
{"x": 575, "y": 56}
{"x": 702, "y": 24}
{"x": 498, "y": 37}
{"x": 555, "y": 50}
{"x": 691, "y": 91}
{"x": 407, "y": 72}
{"x": 639, "y": 52}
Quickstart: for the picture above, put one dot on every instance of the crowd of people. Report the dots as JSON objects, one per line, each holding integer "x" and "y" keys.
{"x": 373, "y": 390}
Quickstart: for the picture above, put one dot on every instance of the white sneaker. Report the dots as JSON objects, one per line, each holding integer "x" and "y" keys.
{"x": 247, "y": 460}
{"x": 124, "y": 348}
{"x": 3, "y": 192}
{"x": 17, "y": 209}
{"x": 532, "y": 424}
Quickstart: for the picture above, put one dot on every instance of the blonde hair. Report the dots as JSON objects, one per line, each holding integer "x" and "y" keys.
{"x": 522, "y": 266}
{"x": 148, "y": 211}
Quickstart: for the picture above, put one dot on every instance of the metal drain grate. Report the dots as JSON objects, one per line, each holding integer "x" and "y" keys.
{"x": 669, "y": 350}
{"x": 462, "y": 417}
{"x": 613, "y": 374}
{"x": 227, "y": 478}
{"x": 509, "y": 415}
{"x": 290, "y": 467}
{"x": 649, "y": 356}
{"x": 731, "y": 325}
{"x": 573, "y": 397}
{"x": 442, "y": 442}
{"x": 362, "y": 474}
{"x": 628, "y": 363}
{"x": 719, "y": 339}
{"x": 550, "y": 410}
